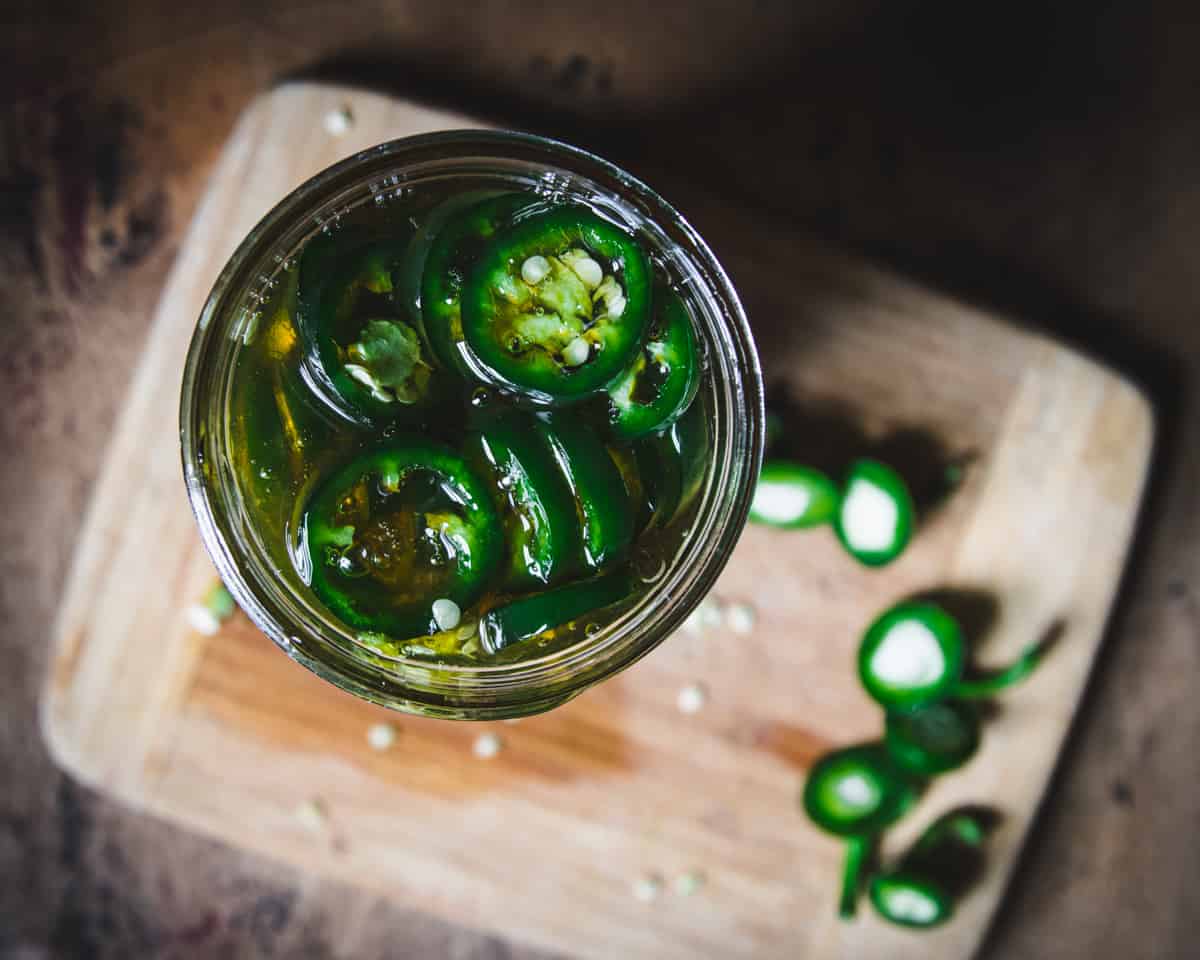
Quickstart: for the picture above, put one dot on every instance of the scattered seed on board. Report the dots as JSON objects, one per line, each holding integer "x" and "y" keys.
{"x": 207, "y": 616}
{"x": 381, "y": 736}
{"x": 740, "y": 617}
{"x": 203, "y": 620}
{"x": 692, "y": 698}
{"x": 648, "y": 887}
{"x": 312, "y": 815}
{"x": 710, "y": 614}
{"x": 487, "y": 745}
{"x": 338, "y": 122}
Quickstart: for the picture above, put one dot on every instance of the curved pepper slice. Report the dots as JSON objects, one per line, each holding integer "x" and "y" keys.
{"x": 791, "y": 496}
{"x": 605, "y": 515}
{"x": 946, "y": 861}
{"x": 456, "y": 246}
{"x": 876, "y": 515}
{"x": 662, "y": 379}
{"x": 910, "y": 901}
{"x": 933, "y": 739}
{"x": 535, "y": 505}
{"x": 557, "y": 305}
{"x": 360, "y": 354}
{"x": 408, "y": 275}
{"x": 397, "y": 530}
{"x": 527, "y": 618}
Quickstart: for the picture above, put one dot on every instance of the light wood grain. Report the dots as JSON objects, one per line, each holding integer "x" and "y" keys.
{"x": 543, "y": 842}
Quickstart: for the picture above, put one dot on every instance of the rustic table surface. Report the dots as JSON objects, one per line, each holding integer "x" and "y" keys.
{"x": 1041, "y": 157}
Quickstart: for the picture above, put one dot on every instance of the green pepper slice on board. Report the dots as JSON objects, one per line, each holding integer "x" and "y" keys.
{"x": 530, "y": 616}
{"x": 913, "y": 654}
{"x": 360, "y": 354}
{"x": 876, "y": 515}
{"x": 605, "y": 515}
{"x": 859, "y": 850}
{"x": 557, "y": 305}
{"x": 940, "y": 867}
{"x": 661, "y": 380}
{"x": 456, "y": 246}
{"x": 395, "y": 531}
{"x": 856, "y": 791}
{"x": 673, "y": 466}
{"x": 792, "y": 496}
{"x": 910, "y": 901}
{"x": 933, "y": 739}
{"x": 536, "y": 506}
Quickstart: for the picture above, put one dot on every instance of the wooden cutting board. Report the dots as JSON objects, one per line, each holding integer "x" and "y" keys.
{"x": 545, "y": 841}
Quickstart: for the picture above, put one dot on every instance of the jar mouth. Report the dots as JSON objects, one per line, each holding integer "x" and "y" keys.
{"x": 298, "y": 623}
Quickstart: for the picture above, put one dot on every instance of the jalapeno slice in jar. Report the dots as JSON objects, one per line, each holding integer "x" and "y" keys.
{"x": 457, "y": 245}
{"x": 557, "y": 305}
{"x": 398, "y": 531}
{"x": 661, "y": 381}
{"x": 535, "y": 505}
{"x": 605, "y": 515}
{"x": 530, "y": 616}
{"x": 359, "y": 353}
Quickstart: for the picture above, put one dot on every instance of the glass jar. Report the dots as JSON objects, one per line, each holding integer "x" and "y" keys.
{"x": 274, "y": 595}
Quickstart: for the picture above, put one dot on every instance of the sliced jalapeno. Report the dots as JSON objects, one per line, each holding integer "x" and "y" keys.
{"x": 661, "y": 381}
{"x": 557, "y": 305}
{"x": 527, "y": 618}
{"x": 933, "y": 739}
{"x": 942, "y": 866}
{"x": 395, "y": 534}
{"x": 856, "y": 791}
{"x": 792, "y": 496}
{"x": 915, "y": 654}
{"x": 605, "y": 515}
{"x": 457, "y": 245}
{"x": 360, "y": 353}
{"x": 876, "y": 514}
{"x": 859, "y": 850}
{"x": 910, "y": 901}
{"x": 911, "y": 655}
{"x": 536, "y": 507}
{"x": 408, "y": 275}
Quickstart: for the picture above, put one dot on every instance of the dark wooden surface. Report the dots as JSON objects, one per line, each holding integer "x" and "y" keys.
{"x": 1042, "y": 157}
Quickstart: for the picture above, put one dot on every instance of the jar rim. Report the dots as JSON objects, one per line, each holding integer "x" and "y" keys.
{"x": 484, "y": 690}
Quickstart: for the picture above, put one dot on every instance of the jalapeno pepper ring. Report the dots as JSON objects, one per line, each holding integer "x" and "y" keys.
{"x": 395, "y": 532}
{"x": 557, "y": 305}
{"x": 456, "y": 246}
{"x": 661, "y": 381}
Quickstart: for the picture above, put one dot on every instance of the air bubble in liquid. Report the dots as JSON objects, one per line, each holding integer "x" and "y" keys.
{"x": 649, "y": 565}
